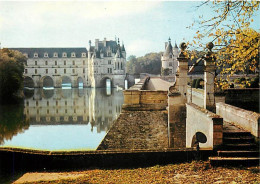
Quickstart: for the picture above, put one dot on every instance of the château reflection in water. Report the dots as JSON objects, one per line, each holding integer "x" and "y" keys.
{"x": 68, "y": 112}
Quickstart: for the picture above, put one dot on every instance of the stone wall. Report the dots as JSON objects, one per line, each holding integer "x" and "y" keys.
{"x": 246, "y": 119}
{"x": 137, "y": 130}
{"x": 202, "y": 120}
{"x": 197, "y": 96}
{"x": 135, "y": 98}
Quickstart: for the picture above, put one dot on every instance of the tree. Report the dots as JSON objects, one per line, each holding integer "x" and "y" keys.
{"x": 150, "y": 63}
{"x": 236, "y": 43}
{"x": 11, "y": 74}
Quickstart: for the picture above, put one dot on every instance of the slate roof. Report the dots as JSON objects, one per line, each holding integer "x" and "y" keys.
{"x": 168, "y": 50}
{"x": 111, "y": 46}
{"x": 30, "y": 51}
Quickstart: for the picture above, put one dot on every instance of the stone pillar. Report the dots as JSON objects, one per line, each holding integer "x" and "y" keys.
{"x": 176, "y": 119}
{"x": 209, "y": 77}
{"x": 182, "y": 73}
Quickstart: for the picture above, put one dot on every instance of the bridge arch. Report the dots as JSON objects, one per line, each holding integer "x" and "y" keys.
{"x": 104, "y": 81}
{"x": 66, "y": 82}
{"x": 47, "y": 82}
{"x": 28, "y": 82}
{"x": 80, "y": 82}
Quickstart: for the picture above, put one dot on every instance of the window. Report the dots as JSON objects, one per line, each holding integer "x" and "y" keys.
{"x": 35, "y": 62}
{"x": 37, "y": 103}
{"x": 73, "y": 70}
{"x": 108, "y": 70}
{"x": 83, "y": 62}
{"x": 83, "y": 70}
{"x": 45, "y": 54}
{"x": 64, "y": 70}
{"x": 35, "y": 55}
{"x": 118, "y": 65}
{"x": 64, "y": 54}
{"x": 65, "y": 102}
{"x": 56, "y": 103}
{"x": 64, "y": 62}
{"x": 46, "y": 62}
{"x": 83, "y": 54}
{"x": 55, "y": 54}
{"x": 73, "y": 54}
{"x": 48, "y": 103}
{"x": 121, "y": 66}
{"x": 35, "y": 71}
{"x": 109, "y": 62}
{"x": 25, "y": 71}
{"x": 73, "y": 62}
{"x": 46, "y": 71}
{"x": 55, "y": 70}
{"x": 57, "y": 111}
{"x": 55, "y": 62}
{"x": 66, "y": 111}
{"x": 74, "y": 110}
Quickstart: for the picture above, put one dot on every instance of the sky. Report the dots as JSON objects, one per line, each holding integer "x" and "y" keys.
{"x": 143, "y": 26}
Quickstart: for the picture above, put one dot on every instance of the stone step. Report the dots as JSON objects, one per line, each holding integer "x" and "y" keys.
{"x": 242, "y": 146}
{"x": 248, "y": 161}
{"x": 235, "y": 133}
{"x": 238, "y": 153}
{"x": 242, "y": 139}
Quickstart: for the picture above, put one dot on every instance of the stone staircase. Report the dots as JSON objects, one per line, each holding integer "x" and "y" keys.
{"x": 239, "y": 148}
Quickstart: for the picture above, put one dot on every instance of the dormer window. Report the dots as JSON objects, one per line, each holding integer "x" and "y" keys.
{"x": 55, "y": 54}
{"x": 64, "y": 54}
{"x": 45, "y": 54}
{"x": 35, "y": 55}
{"x": 83, "y": 54}
{"x": 73, "y": 54}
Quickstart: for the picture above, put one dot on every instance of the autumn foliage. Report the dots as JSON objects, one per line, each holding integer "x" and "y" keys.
{"x": 236, "y": 43}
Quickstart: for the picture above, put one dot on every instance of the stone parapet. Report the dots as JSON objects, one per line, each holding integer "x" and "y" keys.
{"x": 248, "y": 120}
{"x": 201, "y": 120}
{"x": 145, "y": 100}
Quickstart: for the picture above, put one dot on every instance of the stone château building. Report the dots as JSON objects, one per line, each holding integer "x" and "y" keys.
{"x": 169, "y": 59}
{"x": 78, "y": 66}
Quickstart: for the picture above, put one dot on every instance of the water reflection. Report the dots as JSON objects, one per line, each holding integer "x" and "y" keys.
{"x": 12, "y": 122}
{"x": 78, "y": 116}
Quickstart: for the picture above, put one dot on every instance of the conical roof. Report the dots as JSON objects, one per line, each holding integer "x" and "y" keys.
{"x": 168, "y": 50}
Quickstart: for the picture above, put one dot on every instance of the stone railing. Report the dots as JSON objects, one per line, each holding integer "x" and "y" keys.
{"x": 136, "y": 98}
{"x": 206, "y": 122}
{"x": 248, "y": 120}
{"x": 197, "y": 96}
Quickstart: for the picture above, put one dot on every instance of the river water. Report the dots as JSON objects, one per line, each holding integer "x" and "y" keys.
{"x": 60, "y": 119}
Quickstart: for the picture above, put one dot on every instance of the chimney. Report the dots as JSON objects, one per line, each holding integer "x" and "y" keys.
{"x": 96, "y": 43}
{"x": 105, "y": 42}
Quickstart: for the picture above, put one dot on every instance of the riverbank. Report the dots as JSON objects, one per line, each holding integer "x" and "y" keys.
{"x": 200, "y": 172}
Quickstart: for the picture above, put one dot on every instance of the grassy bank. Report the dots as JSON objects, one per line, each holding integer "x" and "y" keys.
{"x": 195, "y": 172}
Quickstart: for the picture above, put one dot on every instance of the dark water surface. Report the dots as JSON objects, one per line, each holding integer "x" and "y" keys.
{"x": 60, "y": 119}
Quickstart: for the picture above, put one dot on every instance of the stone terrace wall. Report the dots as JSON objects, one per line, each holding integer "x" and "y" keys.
{"x": 202, "y": 120}
{"x": 137, "y": 130}
{"x": 136, "y": 98}
{"x": 248, "y": 120}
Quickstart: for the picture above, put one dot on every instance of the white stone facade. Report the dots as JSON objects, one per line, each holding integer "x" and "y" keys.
{"x": 52, "y": 67}
{"x": 169, "y": 59}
